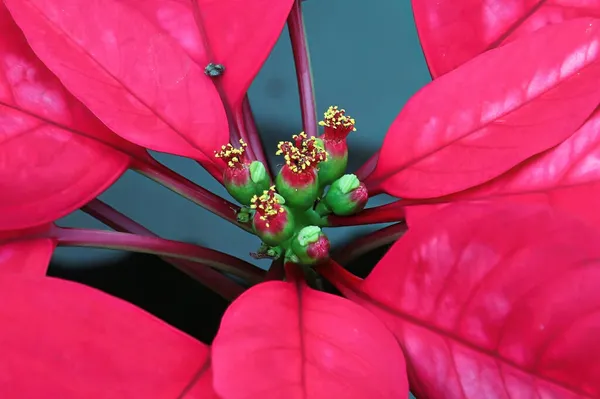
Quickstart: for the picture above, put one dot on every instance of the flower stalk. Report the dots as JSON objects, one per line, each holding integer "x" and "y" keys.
{"x": 222, "y": 285}
{"x": 192, "y": 191}
{"x": 368, "y": 243}
{"x": 303, "y": 69}
{"x": 156, "y": 246}
{"x": 388, "y": 213}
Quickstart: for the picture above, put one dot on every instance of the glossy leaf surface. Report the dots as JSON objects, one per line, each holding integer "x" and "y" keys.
{"x": 237, "y": 34}
{"x": 482, "y": 119}
{"x": 496, "y": 301}
{"x": 128, "y": 72}
{"x": 285, "y": 340}
{"x": 28, "y": 256}
{"x": 566, "y": 177}
{"x": 454, "y": 31}
{"x": 54, "y": 154}
{"x": 76, "y": 342}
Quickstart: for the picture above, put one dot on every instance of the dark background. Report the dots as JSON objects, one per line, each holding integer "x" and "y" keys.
{"x": 366, "y": 58}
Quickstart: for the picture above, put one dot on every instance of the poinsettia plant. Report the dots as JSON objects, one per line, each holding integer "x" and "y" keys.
{"x": 490, "y": 289}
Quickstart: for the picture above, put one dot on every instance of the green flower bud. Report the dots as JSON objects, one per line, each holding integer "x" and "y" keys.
{"x": 337, "y": 125}
{"x": 346, "y": 196}
{"x": 310, "y": 245}
{"x": 273, "y": 222}
{"x": 297, "y": 180}
{"x": 337, "y": 160}
{"x": 241, "y": 179}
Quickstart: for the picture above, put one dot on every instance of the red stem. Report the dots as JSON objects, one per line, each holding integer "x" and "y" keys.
{"x": 347, "y": 283}
{"x": 241, "y": 127}
{"x": 212, "y": 279}
{"x": 388, "y": 213}
{"x": 303, "y": 71}
{"x": 253, "y": 135}
{"x": 155, "y": 246}
{"x": 367, "y": 168}
{"x": 190, "y": 190}
{"x": 369, "y": 242}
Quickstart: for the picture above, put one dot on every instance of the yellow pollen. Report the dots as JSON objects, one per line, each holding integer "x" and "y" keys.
{"x": 336, "y": 118}
{"x": 267, "y": 205}
{"x": 231, "y": 155}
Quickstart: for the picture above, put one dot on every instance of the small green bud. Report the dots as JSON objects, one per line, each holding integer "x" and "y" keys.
{"x": 310, "y": 245}
{"x": 346, "y": 196}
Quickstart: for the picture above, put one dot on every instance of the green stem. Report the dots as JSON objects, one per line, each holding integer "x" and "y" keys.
{"x": 156, "y": 246}
{"x": 192, "y": 191}
{"x": 222, "y": 285}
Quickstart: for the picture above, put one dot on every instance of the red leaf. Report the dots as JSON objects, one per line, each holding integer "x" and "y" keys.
{"x": 484, "y": 118}
{"x": 64, "y": 340}
{"x": 494, "y": 301}
{"x": 285, "y": 340}
{"x": 566, "y": 177}
{"x": 128, "y": 72}
{"x": 55, "y": 154}
{"x": 28, "y": 256}
{"x": 236, "y": 34}
{"x": 454, "y": 31}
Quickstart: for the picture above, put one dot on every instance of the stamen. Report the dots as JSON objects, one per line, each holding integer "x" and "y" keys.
{"x": 267, "y": 205}
{"x": 337, "y": 124}
{"x": 301, "y": 155}
{"x": 234, "y": 157}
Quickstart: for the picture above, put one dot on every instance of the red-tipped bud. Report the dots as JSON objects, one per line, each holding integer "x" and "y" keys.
{"x": 297, "y": 180}
{"x": 273, "y": 222}
{"x": 311, "y": 246}
{"x": 346, "y": 196}
{"x": 242, "y": 179}
{"x": 337, "y": 125}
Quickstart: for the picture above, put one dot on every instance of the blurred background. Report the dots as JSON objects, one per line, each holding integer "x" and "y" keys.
{"x": 366, "y": 59}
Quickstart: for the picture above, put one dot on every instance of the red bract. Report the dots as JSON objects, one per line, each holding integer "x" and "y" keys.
{"x": 497, "y": 110}
{"x": 285, "y": 340}
{"x": 54, "y": 154}
{"x": 29, "y": 257}
{"x": 454, "y": 31}
{"x": 566, "y": 177}
{"x": 65, "y": 340}
{"x": 74, "y": 341}
{"x": 491, "y": 301}
{"x": 237, "y": 34}
{"x": 128, "y": 72}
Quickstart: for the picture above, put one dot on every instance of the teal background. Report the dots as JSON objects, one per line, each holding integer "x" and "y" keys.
{"x": 366, "y": 58}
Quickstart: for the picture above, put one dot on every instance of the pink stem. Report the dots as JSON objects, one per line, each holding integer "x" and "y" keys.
{"x": 244, "y": 135}
{"x": 346, "y": 282}
{"x": 388, "y": 213}
{"x": 190, "y": 190}
{"x": 369, "y": 242}
{"x": 367, "y": 168}
{"x": 253, "y": 135}
{"x": 156, "y": 246}
{"x": 303, "y": 71}
{"x": 212, "y": 279}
